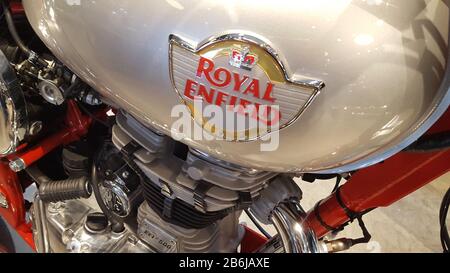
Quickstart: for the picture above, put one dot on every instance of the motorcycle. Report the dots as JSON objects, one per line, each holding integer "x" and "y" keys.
{"x": 151, "y": 126}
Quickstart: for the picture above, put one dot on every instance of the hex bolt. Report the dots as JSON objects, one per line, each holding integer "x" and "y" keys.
{"x": 17, "y": 165}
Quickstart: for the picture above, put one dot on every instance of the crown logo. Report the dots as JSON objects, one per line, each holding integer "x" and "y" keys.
{"x": 243, "y": 59}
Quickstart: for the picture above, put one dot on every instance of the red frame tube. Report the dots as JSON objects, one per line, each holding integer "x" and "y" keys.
{"x": 14, "y": 214}
{"x": 380, "y": 186}
{"x": 252, "y": 241}
{"x": 77, "y": 125}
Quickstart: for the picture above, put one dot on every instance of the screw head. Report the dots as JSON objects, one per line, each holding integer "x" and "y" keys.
{"x": 56, "y": 207}
{"x": 35, "y": 128}
{"x": 17, "y": 165}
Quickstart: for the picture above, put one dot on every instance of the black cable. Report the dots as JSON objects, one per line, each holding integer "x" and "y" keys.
{"x": 15, "y": 35}
{"x": 72, "y": 89}
{"x": 443, "y": 212}
{"x": 338, "y": 183}
{"x": 13, "y": 30}
{"x": 366, "y": 235}
{"x": 257, "y": 224}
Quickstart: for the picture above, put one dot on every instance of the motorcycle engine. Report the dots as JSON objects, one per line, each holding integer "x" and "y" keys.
{"x": 160, "y": 196}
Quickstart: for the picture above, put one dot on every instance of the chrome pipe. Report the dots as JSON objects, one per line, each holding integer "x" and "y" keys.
{"x": 293, "y": 232}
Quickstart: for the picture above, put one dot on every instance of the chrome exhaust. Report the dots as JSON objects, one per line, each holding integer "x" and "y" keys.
{"x": 294, "y": 234}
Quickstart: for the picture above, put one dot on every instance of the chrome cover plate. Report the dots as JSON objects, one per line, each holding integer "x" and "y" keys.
{"x": 157, "y": 238}
{"x": 13, "y": 112}
{"x": 68, "y": 232}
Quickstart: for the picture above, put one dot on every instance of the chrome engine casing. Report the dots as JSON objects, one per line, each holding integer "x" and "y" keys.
{"x": 383, "y": 62}
{"x": 13, "y": 110}
{"x": 176, "y": 178}
{"x": 67, "y": 232}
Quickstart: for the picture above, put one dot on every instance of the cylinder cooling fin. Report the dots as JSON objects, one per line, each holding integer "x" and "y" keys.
{"x": 183, "y": 186}
{"x": 177, "y": 212}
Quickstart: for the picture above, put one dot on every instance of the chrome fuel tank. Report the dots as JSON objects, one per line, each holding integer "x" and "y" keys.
{"x": 383, "y": 63}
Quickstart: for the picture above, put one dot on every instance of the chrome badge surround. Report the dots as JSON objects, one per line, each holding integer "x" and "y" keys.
{"x": 311, "y": 87}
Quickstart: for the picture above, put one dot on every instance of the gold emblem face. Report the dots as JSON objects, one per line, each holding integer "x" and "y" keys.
{"x": 242, "y": 76}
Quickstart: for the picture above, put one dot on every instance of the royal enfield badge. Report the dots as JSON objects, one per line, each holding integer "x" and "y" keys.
{"x": 243, "y": 58}
{"x": 243, "y": 77}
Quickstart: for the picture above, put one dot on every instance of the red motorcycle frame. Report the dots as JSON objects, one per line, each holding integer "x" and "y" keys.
{"x": 376, "y": 186}
{"x": 12, "y": 188}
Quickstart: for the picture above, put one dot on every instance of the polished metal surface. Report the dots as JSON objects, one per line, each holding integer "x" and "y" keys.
{"x": 296, "y": 236}
{"x": 67, "y": 231}
{"x": 63, "y": 230}
{"x": 13, "y": 112}
{"x": 51, "y": 92}
{"x": 384, "y": 64}
{"x": 115, "y": 197}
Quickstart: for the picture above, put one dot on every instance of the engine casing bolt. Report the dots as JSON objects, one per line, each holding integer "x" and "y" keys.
{"x": 17, "y": 165}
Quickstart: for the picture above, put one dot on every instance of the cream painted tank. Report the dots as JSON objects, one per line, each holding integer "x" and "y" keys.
{"x": 383, "y": 62}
